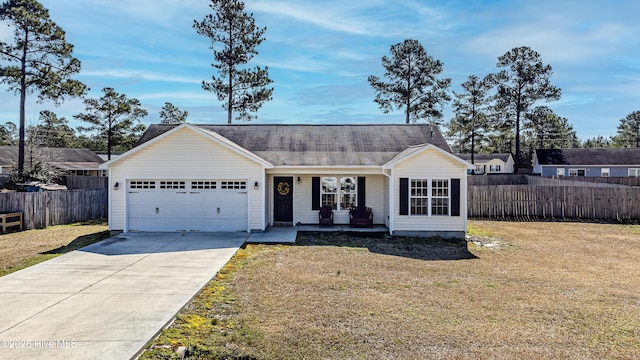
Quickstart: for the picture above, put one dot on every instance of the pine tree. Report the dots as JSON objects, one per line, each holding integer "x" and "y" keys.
{"x": 113, "y": 117}
{"x": 413, "y": 83}
{"x": 523, "y": 81}
{"x": 39, "y": 59}
{"x": 241, "y": 89}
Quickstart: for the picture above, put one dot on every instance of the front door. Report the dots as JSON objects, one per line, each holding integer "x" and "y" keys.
{"x": 283, "y": 199}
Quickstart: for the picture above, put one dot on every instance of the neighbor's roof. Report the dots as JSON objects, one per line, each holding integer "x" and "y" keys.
{"x": 64, "y": 158}
{"x": 321, "y": 145}
{"x": 485, "y": 157}
{"x": 592, "y": 157}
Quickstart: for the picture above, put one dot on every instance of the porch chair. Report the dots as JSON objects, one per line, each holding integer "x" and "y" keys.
{"x": 361, "y": 216}
{"x": 325, "y": 216}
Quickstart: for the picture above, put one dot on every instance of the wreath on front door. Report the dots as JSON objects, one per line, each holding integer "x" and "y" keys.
{"x": 283, "y": 188}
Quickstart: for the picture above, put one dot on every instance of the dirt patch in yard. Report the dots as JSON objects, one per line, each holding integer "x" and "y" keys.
{"x": 380, "y": 243}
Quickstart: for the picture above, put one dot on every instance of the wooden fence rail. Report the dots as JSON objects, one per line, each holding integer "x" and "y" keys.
{"x": 42, "y": 209}
{"x": 557, "y": 202}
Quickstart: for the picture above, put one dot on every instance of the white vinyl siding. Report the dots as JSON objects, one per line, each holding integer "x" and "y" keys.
{"x": 302, "y": 212}
{"x": 429, "y": 164}
{"x": 186, "y": 155}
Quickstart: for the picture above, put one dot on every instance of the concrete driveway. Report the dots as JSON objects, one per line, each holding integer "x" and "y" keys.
{"x": 107, "y": 300}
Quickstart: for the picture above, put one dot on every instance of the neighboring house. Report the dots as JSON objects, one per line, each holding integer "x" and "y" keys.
{"x": 490, "y": 163}
{"x": 248, "y": 177}
{"x": 71, "y": 161}
{"x": 597, "y": 162}
{"x": 105, "y": 157}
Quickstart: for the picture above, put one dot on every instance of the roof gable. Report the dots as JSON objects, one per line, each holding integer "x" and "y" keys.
{"x": 597, "y": 156}
{"x": 210, "y": 135}
{"x": 320, "y": 145}
{"x": 415, "y": 150}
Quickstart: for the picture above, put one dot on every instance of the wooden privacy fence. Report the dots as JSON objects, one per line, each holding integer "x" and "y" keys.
{"x": 86, "y": 182}
{"x": 554, "y": 202}
{"x": 522, "y": 179}
{"x": 42, "y": 209}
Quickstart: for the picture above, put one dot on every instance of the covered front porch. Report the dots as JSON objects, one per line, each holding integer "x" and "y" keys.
{"x": 296, "y": 197}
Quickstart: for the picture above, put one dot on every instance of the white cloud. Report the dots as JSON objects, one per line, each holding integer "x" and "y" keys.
{"x": 373, "y": 18}
{"x": 140, "y": 75}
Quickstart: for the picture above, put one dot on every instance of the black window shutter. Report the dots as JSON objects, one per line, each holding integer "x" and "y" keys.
{"x": 455, "y": 197}
{"x": 315, "y": 193}
{"x": 404, "y": 196}
{"x": 362, "y": 191}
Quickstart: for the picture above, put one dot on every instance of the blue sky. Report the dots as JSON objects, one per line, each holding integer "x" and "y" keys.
{"x": 319, "y": 54}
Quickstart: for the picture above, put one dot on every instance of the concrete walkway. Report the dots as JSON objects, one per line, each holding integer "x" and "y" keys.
{"x": 106, "y": 301}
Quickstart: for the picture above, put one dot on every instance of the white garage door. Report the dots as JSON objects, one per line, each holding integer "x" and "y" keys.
{"x": 187, "y": 205}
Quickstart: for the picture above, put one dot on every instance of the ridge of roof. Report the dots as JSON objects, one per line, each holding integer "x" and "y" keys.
{"x": 319, "y": 144}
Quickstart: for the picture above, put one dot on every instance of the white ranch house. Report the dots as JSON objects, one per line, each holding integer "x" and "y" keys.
{"x": 249, "y": 177}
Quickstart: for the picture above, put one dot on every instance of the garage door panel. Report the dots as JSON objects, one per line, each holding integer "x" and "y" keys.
{"x": 186, "y": 209}
{"x": 231, "y": 212}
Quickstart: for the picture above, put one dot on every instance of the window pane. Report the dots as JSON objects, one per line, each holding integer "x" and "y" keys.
{"x": 328, "y": 192}
{"x": 347, "y": 201}
{"x": 440, "y": 188}
{"x": 329, "y": 185}
{"x": 419, "y": 197}
{"x": 348, "y": 184}
{"x": 418, "y": 207}
{"x": 329, "y": 200}
{"x": 439, "y": 206}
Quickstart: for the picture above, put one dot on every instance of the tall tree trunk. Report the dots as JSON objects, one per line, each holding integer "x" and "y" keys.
{"x": 23, "y": 99}
{"x": 109, "y": 135}
{"x": 517, "y": 159}
{"x": 230, "y": 91}
{"x": 230, "y": 95}
{"x": 473, "y": 134}
{"x": 408, "y": 95}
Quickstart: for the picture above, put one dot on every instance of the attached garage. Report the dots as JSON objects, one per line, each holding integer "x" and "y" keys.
{"x": 187, "y": 205}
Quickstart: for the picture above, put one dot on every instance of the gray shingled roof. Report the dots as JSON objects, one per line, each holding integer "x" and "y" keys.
{"x": 484, "y": 157}
{"x": 599, "y": 156}
{"x": 65, "y": 157}
{"x": 321, "y": 145}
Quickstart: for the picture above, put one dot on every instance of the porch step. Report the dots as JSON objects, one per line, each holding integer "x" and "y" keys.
{"x": 283, "y": 224}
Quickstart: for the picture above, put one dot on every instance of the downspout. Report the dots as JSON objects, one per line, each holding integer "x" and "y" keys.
{"x": 264, "y": 199}
{"x": 390, "y": 207}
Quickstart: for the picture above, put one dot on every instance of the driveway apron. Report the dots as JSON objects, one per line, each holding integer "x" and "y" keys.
{"x": 107, "y": 300}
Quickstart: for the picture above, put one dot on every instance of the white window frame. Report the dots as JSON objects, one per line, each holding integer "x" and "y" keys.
{"x": 605, "y": 172}
{"x": 479, "y": 169}
{"x": 634, "y": 172}
{"x": 435, "y": 195}
{"x": 495, "y": 168}
{"x": 560, "y": 172}
{"x": 576, "y": 172}
{"x": 344, "y": 195}
{"x": 419, "y": 199}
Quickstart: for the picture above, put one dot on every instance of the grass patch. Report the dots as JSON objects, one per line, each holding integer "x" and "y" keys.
{"x": 19, "y": 250}
{"x": 209, "y": 327}
{"x": 564, "y": 290}
{"x": 476, "y": 229}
